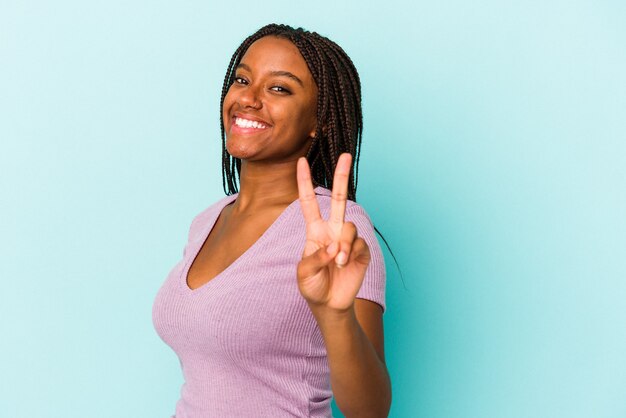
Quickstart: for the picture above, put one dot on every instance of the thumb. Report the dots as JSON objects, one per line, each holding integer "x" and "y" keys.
{"x": 313, "y": 263}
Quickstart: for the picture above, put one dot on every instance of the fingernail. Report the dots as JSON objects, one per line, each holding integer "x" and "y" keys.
{"x": 341, "y": 258}
{"x": 331, "y": 248}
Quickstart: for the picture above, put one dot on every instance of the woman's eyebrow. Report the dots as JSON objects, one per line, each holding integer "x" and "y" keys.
{"x": 275, "y": 73}
{"x": 287, "y": 74}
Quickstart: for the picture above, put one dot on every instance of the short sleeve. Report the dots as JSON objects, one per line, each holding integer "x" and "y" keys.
{"x": 373, "y": 287}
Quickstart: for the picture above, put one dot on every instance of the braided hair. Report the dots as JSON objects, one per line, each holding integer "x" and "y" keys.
{"x": 339, "y": 115}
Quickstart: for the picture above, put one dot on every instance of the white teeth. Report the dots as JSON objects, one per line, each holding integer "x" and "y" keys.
{"x": 245, "y": 123}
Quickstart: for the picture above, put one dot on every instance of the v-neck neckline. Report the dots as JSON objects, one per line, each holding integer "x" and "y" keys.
{"x": 206, "y": 231}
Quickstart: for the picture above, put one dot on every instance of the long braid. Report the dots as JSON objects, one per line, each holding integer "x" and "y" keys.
{"x": 339, "y": 114}
{"x": 351, "y": 81}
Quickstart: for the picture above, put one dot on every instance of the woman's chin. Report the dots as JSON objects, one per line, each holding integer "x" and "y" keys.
{"x": 240, "y": 151}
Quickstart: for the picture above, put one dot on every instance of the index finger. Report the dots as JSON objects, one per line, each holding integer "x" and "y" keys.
{"x": 308, "y": 202}
{"x": 339, "y": 194}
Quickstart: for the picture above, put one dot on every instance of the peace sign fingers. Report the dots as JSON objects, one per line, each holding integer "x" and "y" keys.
{"x": 335, "y": 259}
{"x": 339, "y": 193}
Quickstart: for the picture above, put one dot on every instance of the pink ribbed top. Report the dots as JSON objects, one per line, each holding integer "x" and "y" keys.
{"x": 247, "y": 343}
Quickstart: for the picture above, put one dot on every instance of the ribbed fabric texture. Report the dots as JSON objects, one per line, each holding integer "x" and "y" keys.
{"x": 247, "y": 342}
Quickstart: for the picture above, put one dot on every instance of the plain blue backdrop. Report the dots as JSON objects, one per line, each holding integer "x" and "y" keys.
{"x": 493, "y": 161}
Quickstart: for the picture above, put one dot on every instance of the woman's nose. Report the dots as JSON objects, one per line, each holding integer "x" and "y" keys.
{"x": 249, "y": 97}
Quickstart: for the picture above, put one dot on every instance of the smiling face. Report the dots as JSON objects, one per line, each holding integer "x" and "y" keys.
{"x": 270, "y": 110}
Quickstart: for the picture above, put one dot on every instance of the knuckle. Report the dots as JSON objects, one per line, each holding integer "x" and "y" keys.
{"x": 361, "y": 244}
{"x": 336, "y": 218}
{"x": 339, "y": 196}
{"x": 307, "y": 197}
{"x": 349, "y": 226}
{"x": 349, "y": 230}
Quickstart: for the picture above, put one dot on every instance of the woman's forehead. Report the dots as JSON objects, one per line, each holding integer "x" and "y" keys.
{"x": 275, "y": 54}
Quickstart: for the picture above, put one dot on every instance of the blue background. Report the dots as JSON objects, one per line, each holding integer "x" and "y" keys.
{"x": 494, "y": 163}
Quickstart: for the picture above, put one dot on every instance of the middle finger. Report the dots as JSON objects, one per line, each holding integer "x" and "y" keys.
{"x": 339, "y": 193}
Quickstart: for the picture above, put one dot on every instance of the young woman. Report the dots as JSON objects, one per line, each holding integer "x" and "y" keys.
{"x": 277, "y": 304}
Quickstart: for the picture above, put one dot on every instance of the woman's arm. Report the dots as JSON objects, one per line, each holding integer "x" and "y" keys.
{"x": 354, "y": 343}
{"x": 330, "y": 275}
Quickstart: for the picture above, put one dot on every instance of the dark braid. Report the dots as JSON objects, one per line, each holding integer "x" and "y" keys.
{"x": 339, "y": 115}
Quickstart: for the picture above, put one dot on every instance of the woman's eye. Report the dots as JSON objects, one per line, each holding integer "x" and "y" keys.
{"x": 280, "y": 89}
{"x": 240, "y": 80}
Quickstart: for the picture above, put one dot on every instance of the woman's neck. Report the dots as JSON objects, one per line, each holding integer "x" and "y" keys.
{"x": 264, "y": 185}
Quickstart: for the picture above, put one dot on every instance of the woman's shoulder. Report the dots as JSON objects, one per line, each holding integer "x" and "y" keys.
{"x": 213, "y": 209}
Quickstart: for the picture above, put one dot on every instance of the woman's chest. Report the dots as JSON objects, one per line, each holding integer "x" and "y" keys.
{"x": 230, "y": 238}
{"x": 253, "y": 308}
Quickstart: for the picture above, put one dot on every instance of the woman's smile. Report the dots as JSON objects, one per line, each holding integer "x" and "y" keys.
{"x": 247, "y": 124}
